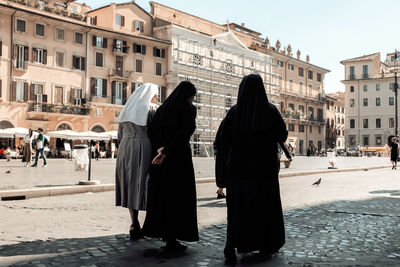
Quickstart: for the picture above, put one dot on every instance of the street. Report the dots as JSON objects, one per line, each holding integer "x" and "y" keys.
{"x": 349, "y": 219}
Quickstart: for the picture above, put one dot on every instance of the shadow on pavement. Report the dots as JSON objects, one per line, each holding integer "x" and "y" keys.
{"x": 344, "y": 233}
{"x": 391, "y": 192}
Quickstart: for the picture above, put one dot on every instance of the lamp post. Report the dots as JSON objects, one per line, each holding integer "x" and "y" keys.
{"x": 396, "y": 129}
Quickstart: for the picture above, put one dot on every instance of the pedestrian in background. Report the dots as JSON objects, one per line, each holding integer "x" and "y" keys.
{"x": 172, "y": 207}
{"x": 28, "y": 148}
{"x": 97, "y": 150}
{"x": 40, "y": 143}
{"x": 394, "y": 152}
{"x": 134, "y": 155}
{"x": 249, "y": 141}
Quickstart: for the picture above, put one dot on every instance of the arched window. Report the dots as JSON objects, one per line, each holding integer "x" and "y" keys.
{"x": 98, "y": 129}
{"x": 64, "y": 126}
{"x": 6, "y": 125}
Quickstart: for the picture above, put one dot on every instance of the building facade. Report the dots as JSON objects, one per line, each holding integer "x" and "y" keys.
{"x": 369, "y": 100}
{"x": 60, "y": 69}
{"x": 335, "y": 120}
{"x": 294, "y": 85}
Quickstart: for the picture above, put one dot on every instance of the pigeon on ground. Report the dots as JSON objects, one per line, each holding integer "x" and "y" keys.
{"x": 9, "y": 171}
{"x": 317, "y": 182}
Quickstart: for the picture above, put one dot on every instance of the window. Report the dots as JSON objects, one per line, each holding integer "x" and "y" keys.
{"x": 351, "y": 89}
{"x": 93, "y": 20}
{"x": 391, "y": 101}
{"x": 162, "y": 94}
{"x": 365, "y": 102}
{"x": 38, "y": 92}
{"x": 378, "y": 101}
{"x": 99, "y": 42}
{"x": 159, "y": 52}
{"x": 310, "y": 75}
{"x": 352, "y": 103}
{"x": 135, "y": 86}
{"x": 310, "y": 128}
{"x": 352, "y": 140}
{"x": 19, "y": 91}
{"x": 290, "y": 84}
{"x": 58, "y": 95}
{"x": 301, "y": 128}
{"x": 365, "y": 88}
{"x": 280, "y": 63}
{"x": 319, "y": 77}
{"x": 378, "y": 123}
{"x": 391, "y": 122}
{"x": 78, "y": 38}
{"x": 78, "y": 62}
{"x": 301, "y": 72}
{"x": 141, "y": 49}
{"x": 365, "y": 123}
{"x": 39, "y": 29}
{"x": 139, "y": 26}
{"x": 290, "y": 66}
{"x": 301, "y": 109}
{"x": 319, "y": 129}
{"x": 365, "y": 71}
{"x": 391, "y": 86}
{"x": 291, "y": 127}
{"x": 366, "y": 140}
{"x": 42, "y": 4}
{"x": 378, "y": 140}
{"x": 59, "y": 59}
{"x": 21, "y": 26}
{"x": 197, "y": 60}
{"x": 59, "y": 34}
{"x": 39, "y": 55}
{"x": 99, "y": 88}
{"x": 378, "y": 87}
{"x": 98, "y": 112}
{"x": 22, "y": 56}
{"x": 139, "y": 65}
{"x": 118, "y": 93}
{"x": 99, "y": 59}
{"x": 352, "y": 73}
{"x": 352, "y": 123}
{"x": 118, "y": 46}
{"x": 120, "y": 20}
{"x": 158, "y": 68}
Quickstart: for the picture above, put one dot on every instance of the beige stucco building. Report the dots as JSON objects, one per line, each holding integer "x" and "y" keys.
{"x": 63, "y": 68}
{"x": 335, "y": 120}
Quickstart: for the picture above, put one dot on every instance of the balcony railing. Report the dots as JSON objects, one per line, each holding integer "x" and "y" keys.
{"x": 352, "y": 77}
{"x": 365, "y": 76}
{"x": 120, "y": 73}
{"x": 109, "y": 100}
{"x": 62, "y": 109}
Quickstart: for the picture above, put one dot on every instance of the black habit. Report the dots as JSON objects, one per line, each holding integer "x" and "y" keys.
{"x": 171, "y": 201}
{"x": 247, "y": 165}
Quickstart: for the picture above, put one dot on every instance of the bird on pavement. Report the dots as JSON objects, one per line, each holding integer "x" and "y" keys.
{"x": 317, "y": 182}
{"x": 9, "y": 171}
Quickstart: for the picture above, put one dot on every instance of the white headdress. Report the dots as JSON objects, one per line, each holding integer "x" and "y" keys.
{"x": 137, "y": 107}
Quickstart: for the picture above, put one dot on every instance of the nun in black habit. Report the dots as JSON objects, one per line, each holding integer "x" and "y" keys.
{"x": 247, "y": 165}
{"x": 171, "y": 202}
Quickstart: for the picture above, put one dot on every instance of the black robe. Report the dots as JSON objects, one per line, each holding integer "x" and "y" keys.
{"x": 171, "y": 201}
{"x": 250, "y": 175}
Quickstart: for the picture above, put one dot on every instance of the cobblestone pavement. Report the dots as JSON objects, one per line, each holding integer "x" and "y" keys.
{"x": 103, "y": 170}
{"x": 351, "y": 219}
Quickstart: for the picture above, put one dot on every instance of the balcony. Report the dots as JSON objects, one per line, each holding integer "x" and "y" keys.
{"x": 109, "y": 100}
{"x": 365, "y": 76}
{"x": 117, "y": 73}
{"x": 61, "y": 109}
{"x": 352, "y": 77}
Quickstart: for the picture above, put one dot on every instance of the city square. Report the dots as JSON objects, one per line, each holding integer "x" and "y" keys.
{"x": 209, "y": 133}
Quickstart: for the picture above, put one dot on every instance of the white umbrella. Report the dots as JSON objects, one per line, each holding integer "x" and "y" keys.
{"x": 90, "y": 135}
{"x": 112, "y": 134}
{"x": 17, "y": 132}
{"x": 64, "y": 134}
{"x": 4, "y": 134}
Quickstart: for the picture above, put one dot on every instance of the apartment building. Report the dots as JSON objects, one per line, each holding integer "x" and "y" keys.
{"x": 63, "y": 67}
{"x": 294, "y": 85}
{"x": 369, "y": 99}
{"x": 335, "y": 120}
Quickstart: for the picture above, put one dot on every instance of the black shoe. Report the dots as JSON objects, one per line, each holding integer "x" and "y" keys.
{"x": 135, "y": 233}
{"x": 392, "y": 167}
{"x": 34, "y": 165}
{"x": 230, "y": 254}
{"x": 174, "y": 246}
{"x": 219, "y": 196}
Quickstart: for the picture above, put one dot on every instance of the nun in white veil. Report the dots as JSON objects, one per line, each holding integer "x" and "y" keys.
{"x": 134, "y": 153}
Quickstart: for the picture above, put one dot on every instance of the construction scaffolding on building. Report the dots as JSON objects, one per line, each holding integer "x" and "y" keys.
{"x": 216, "y": 70}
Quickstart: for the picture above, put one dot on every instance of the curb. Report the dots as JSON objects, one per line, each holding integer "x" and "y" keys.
{"x": 19, "y": 194}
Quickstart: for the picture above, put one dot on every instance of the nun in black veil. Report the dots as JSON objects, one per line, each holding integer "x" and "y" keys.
{"x": 171, "y": 203}
{"x": 247, "y": 165}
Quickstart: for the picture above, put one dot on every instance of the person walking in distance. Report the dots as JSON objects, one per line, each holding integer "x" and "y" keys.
{"x": 28, "y": 148}
{"x": 134, "y": 155}
{"x": 248, "y": 143}
{"x": 394, "y": 152}
{"x": 40, "y": 142}
{"x": 172, "y": 206}
{"x": 97, "y": 150}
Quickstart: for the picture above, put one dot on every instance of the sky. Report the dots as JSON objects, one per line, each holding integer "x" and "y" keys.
{"x": 327, "y": 30}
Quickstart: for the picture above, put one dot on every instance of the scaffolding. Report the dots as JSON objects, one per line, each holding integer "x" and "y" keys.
{"x": 216, "y": 72}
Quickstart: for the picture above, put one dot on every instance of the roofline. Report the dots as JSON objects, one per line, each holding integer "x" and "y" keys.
{"x": 242, "y": 27}
{"x": 97, "y": 8}
{"x": 355, "y": 58}
{"x": 85, "y": 25}
{"x": 299, "y": 60}
{"x": 132, "y": 2}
